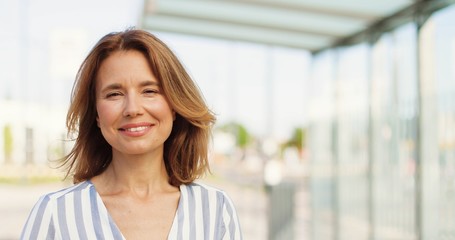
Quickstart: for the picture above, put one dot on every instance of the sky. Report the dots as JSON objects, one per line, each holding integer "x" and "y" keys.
{"x": 43, "y": 43}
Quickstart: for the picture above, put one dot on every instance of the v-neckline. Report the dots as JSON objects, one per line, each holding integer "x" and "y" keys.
{"x": 114, "y": 224}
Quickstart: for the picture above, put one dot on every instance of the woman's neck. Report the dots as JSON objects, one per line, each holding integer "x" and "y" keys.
{"x": 141, "y": 175}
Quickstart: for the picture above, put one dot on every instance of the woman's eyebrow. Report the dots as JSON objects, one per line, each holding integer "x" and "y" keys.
{"x": 149, "y": 83}
{"x": 113, "y": 86}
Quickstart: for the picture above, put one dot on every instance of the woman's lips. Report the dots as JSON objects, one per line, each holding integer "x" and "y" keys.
{"x": 135, "y": 129}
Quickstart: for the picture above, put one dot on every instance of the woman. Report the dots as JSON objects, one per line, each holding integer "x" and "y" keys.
{"x": 142, "y": 134}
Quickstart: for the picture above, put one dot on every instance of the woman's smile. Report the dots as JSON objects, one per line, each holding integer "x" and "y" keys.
{"x": 136, "y": 129}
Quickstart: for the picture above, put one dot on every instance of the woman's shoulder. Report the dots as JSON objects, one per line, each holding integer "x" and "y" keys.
{"x": 69, "y": 190}
{"x": 201, "y": 191}
{"x": 198, "y": 186}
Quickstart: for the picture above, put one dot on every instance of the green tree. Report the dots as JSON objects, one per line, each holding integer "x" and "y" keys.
{"x": 242, "y": 137}
{"x": 297, "y": 140}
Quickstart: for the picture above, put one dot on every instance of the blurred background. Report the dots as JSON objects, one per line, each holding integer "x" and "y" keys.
{"x": 336, "y": 119}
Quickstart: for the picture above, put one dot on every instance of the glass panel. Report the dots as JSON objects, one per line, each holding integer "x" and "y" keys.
{"x": 394, "y": 127}
{"x": 352, "y": 142}
{"x": 404, "y": 55}
{"x": 445, "y": 56}
{"x": 383, "y": 117}
{"x": 438, "y": 43}
{"x": 321, "y": 146}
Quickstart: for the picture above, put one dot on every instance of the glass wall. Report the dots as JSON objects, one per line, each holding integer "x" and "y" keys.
{"x": 438, "y": 125}
{"x": 382, "y": 136}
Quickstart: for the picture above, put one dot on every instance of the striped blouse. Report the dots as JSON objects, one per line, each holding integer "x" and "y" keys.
{"x": 77, "y": 212}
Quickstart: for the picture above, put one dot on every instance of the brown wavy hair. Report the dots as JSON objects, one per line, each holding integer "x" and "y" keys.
{"x": 186, "y": 149}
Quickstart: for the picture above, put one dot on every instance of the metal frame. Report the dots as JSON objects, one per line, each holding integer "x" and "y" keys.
{"x": 313, "y": 25}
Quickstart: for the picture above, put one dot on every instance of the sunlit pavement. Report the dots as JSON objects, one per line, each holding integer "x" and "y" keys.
{"x": 16, "y": 201}
{"x": 251, "y": 200}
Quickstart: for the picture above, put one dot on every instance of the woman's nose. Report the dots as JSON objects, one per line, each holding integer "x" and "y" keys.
{"x": 133, "y": 106}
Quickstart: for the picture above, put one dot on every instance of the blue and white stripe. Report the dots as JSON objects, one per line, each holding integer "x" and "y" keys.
{"x": 78, "y": 212}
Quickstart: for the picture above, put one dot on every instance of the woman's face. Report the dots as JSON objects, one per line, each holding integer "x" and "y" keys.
{"x": 133, "y": 113}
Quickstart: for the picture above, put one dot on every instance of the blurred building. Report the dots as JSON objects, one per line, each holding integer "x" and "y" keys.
{"x": 42, "y": 45}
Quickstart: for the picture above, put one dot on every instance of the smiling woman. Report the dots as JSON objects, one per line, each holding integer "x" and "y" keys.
{"x": 142, "y": 137}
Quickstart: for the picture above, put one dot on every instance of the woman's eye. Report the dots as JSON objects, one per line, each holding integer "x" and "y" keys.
{"x": 150, "y": 91}
{"x": 113, "y": 94}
